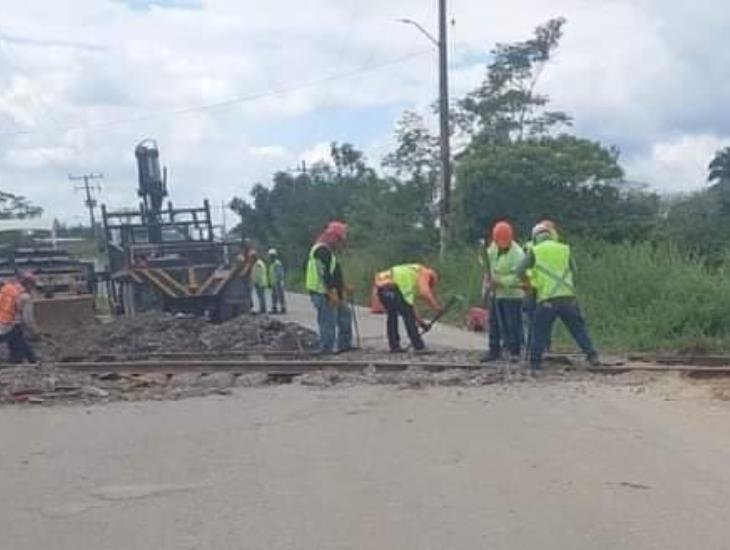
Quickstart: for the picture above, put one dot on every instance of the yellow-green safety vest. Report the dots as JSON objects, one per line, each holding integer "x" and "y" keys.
{"x": 530, "y": 273}
{"x": 504, "y": 266}
{"x": 260, "y": 273}
{"x": 273, "y": 269}
{"x": 314, "y": 276}
{"x": 405, "y": 277}
{"x": 553, "y": 273}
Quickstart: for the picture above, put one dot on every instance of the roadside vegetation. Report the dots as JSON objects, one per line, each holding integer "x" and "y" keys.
{"x": 652, "y": 270}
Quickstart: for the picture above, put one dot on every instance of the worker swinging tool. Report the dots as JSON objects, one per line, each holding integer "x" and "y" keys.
{"x": 398, "y": 288}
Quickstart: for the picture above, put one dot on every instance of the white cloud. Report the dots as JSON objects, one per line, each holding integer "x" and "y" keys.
{"x": 268, "y": 151}
{"x": 677, "y": 164}
{"x": 649, "y": 76}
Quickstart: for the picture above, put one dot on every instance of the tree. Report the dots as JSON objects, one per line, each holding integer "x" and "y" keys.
{"x": 506, "y": 106}
{"x": 574, "y": 181}
{"x": 17, "y": 207}
{"x": 297, "y": 207}
{"x": 719, "y": 168}
{"x": 416, "y": 160}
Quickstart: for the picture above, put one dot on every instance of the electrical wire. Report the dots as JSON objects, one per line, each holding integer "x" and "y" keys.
{"x": 225, "y": 103}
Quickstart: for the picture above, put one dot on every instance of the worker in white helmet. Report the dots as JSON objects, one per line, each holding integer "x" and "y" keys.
{"x": 277, "y": 281}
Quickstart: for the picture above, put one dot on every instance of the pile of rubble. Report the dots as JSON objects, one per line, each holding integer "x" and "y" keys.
{"x": 43, "y": 384}
{"x": 161, "y": 333}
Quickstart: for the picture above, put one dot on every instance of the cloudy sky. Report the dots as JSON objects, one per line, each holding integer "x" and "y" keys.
{"x": 235, "y": 89}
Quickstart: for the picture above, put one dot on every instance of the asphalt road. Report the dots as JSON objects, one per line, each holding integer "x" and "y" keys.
{"x": 550, "y": 466}
{"x": 372, "y": 328}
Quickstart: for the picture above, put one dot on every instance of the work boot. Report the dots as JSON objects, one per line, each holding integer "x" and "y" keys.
{"x": 490, "y": 357}
{"x": 422, "y": 351}
{"x": 514, "y": 358}
{"x": 593, "y": 360}
{"x": 274, "y": 311}
{"x": 397, "y": 350}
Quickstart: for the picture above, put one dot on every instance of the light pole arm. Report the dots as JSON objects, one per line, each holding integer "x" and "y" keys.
{"x": 420, "y": 28}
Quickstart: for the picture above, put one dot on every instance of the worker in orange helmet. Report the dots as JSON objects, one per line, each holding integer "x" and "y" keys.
{"x": 398, "y": 289}
{"x": 505, "y": 293}
{"x": 16, "y": 317}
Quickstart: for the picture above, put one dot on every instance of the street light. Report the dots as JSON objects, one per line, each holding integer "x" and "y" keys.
{"x": 442, "y": 45}
{"x": 420, "y": 28}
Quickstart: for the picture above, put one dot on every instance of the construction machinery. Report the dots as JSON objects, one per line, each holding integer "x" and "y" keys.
{"x": 65, "y": 285}
{"x": 166, "y": 258}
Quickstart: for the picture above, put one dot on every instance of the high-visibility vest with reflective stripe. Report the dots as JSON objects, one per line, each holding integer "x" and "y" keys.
{"x": 503, "y": 267}
{"x": 553, "y": 276}
{"x": 9, "y": 294}
{"x": 260, "y": 273}
{"x": 314, "y": 276}
{"x": 405, "y": 277}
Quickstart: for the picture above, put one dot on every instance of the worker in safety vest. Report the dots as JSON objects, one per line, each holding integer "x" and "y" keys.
{"x": 555, "y": 291}
{"x": 260, "y": 276}
{"x": 530, "y": 302}
{"x": 277, "y": 277}
{"x": 324, "y": 281}
{"x": 398, "y": 288}
{"x": 16, "y": 317}
{"x": 506, "y": 294}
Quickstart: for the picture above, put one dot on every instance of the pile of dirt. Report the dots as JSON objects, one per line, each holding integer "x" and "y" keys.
{"x": 162, "y": 333}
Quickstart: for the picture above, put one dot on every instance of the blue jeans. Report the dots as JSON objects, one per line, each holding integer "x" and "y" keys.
{"x": 505, "y": 326}
{"x": 334, "y": 322}
{"x": 529, "y": 308}
{"x": 567, "y": 310}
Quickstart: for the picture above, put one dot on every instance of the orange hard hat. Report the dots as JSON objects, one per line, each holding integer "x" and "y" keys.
{"x": 502, "y": 234}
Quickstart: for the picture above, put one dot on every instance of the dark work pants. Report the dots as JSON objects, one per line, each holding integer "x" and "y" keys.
{"x": 567, "y": 310}
{"x": 18, "y": 346}
{"x": 395, "y": 305}
{"x": 505, "y": 326}
{"x": 278, "y": 297}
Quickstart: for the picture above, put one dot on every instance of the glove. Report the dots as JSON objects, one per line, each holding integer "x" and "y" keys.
{"x": 333, "y": 297}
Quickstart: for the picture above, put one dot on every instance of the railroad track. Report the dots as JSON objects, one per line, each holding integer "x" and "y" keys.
{"x": 295, "y": 363}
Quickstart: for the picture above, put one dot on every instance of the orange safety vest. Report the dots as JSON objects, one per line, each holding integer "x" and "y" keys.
{"x": 9, "y": 294}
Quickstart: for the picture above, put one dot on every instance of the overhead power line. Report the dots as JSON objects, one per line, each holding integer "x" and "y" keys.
{"x": 225, "y": 103}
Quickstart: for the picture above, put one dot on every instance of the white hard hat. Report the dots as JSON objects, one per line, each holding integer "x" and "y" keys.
{"x": 540, "y": 229}
{"x": 272, "y": 252}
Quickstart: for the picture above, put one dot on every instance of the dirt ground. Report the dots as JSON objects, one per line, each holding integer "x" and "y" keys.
{"x": 137, "y": 337}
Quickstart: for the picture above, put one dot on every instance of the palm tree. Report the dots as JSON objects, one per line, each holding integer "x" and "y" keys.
{"x": 720, "y": 168}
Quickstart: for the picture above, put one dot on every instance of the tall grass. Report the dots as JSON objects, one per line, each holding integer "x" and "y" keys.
{"x": 638, "y": 297}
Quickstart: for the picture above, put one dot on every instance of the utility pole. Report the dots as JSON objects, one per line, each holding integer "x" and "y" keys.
{"x": 444, "y": 127}
{"x": 90, "y": 189}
